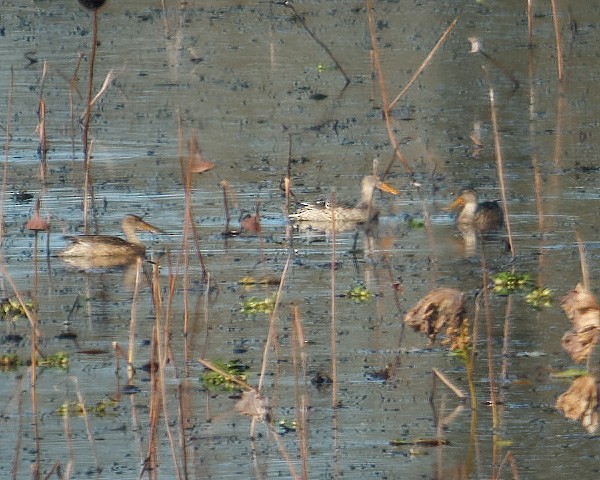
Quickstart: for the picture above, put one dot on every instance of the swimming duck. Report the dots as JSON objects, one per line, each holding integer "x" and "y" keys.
{"x": 94, "y": 246}
{"x": 364, "y": 211}
{"x": 482, "y": 217}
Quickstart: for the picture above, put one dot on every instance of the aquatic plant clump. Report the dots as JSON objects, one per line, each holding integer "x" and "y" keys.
{"x": 11, "y": 309}
{"x": 232, "y": 370}
{"x": 358, "y": 293}
{"x": 256, "y": 305}
{"x": 506, "y": 283}
{"x": 539, "y": 298}
{"x": 58, "y": 360}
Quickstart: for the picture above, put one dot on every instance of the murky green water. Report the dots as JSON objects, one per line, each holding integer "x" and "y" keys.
{"x": 250, "y": 81}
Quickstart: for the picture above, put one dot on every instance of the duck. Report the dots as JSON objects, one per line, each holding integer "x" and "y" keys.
{"x": 364, "y": 211}
{"x": 482, "y": 217}
{"x": 104, "y": 246}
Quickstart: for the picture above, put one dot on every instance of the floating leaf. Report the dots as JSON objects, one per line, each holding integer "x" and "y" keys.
{"x": 256, "y": 305}
{"x": 358, "y": 293}
{"x": 539, "y": 297}
{"x": 415, "y": 223}
{"x": 506, "y": 283}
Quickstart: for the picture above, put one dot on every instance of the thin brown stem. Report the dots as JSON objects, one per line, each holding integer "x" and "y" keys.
{"x": 396, "y": 153}
{"x": 423, "y": 65}
{"x": 500, "y": 168}
{"x": 559, "y": 55}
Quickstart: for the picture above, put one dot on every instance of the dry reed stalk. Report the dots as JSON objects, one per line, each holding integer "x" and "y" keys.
{"x": 500, "y": 168}
{"x": 537, "y": 186}
{"x": 384, "y": 97}
{"x": 423, "y": 65}
{"x": 133, "y": 318}
{"x": 299, "y": 361}
{"x": 86, "y": 119}
{"x": 470, "y": 360}
{"x": 186, "y": 177}
{"x": 313, "y": 35}
{"x": 539, "y": 206}
{"x": 69, "y": 437}
{"x": 55, "y": 470}
{"x": 530, "y": 23}
{"x": 206, "y": 324}
{"x": 43, "y": 144}
{"x": 161, "y": 349}
{"x": 332, "y": 320}
{"x": 19, "y": 433}
{"x": 72, "y": 90}
{"x": 559, "y": 58}
{"x": 183, "y": 391}
{"x": 585, "y": 272}
{"x": 151, "y": 461}
{"x": 446, "y": 381}
{"x": 509, "y": 457}
{"x": 506, "y": 341}
{"x": 489, "y": 342}
{"x": 273, "y": 324}
{"x": 225, "y": 186}
{"x": 9, "y": 106}
{"x": 88, "y": 426}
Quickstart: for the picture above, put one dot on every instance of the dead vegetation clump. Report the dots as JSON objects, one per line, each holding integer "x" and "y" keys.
{"x": 580, "y": 402}
{"x": 441, "y": 308}
{"x": 582, "y": 309}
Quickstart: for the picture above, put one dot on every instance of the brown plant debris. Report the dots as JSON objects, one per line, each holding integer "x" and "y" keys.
{"x": 255, "y": 405}
{"x": 582, "y": 309}
{"x": 442, "y": 307}
{"x": 580, "y": 402}
{"x": 197, "y": 162}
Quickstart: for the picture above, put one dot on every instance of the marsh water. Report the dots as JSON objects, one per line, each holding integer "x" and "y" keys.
{"x": 257, "y": 90}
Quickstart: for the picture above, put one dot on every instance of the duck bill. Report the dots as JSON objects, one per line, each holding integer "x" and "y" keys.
{"x": 384, "y": 187}
{"x": 456, "y": 204}
{"x": 149, "y": 228}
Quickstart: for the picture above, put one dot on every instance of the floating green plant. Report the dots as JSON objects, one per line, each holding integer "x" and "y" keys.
{"x": 285, "y": 426}
{"x": 233, "y": 370}
{"x": 256, "y": 305}
{"x": 76, "y": 408}
{"x": 11, "y": 309}
{"x": 415, "y": 223}
{"x": 57, "y": 360}
{"x": 10, "y": 361}
{"x": 358, "y": 293}
{"x": 506, "y": 283}
{"x": 539, "y": 298}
